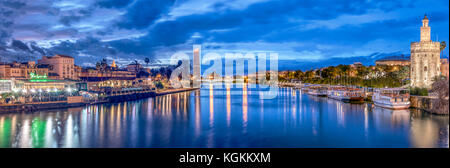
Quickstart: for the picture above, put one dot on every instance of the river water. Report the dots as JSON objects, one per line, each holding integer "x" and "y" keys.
{"x": 225, "y": 117}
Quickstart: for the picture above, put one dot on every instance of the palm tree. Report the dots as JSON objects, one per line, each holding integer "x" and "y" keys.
{"x": 137, "y": 65}
{"x": 147, "y": 60}
{"x": 443, "y": 45}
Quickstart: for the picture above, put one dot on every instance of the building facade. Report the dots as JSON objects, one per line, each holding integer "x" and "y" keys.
{"x": 92, "y": 74}
{"x": 444, "y": 67}
{"x": 62, "y": 65}
{"x": 6, "y": 86}
{"x": 425, "y": 58}
{"x": 22, "y": 70}
{"x": 393, "y": 62}
{"x": 133, "y": 67}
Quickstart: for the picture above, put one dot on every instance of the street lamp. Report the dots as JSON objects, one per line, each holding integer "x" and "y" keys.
{"x": 69, "y": 90}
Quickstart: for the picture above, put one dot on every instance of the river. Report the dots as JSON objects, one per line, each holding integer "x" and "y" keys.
{"x": 225, "y": 118}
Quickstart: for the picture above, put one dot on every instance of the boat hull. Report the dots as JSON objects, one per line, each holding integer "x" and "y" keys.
{"x": 392, "y": 106}
{"x": 352, "y": 99}
{"x": 318, "y": 94}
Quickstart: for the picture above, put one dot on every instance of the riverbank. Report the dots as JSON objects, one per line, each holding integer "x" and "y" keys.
{"x": 36, "y": 106}
{"x": 427, "y": 103}
{"x": 171, "y": 91}
{"x": 29, "y": 107}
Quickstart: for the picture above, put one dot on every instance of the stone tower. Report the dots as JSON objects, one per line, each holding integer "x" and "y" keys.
{"x": 425, "y": 58}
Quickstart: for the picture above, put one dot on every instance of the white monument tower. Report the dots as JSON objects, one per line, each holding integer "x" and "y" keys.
{"x": 425, "y": 58}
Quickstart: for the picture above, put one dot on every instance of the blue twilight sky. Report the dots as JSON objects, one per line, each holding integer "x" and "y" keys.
{"x": 304, "y": 30}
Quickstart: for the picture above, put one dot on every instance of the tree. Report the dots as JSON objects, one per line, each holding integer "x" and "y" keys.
{"x": 442, "y": 47}
{"x": 309, "y": 74}
{"x": 299, "y": 74}
{"x": 137, "y": 65}
{"x": 147, "y": 60}
{"x": 97, "y": 65}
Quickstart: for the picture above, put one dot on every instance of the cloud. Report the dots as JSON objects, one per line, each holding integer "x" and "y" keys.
{"x": 142, "y": 14}
{"x": 352, "y": 20}
{"x": 114, "y": 3}
{"x": 8, "y": 11}
{"x": 134, "y": 29}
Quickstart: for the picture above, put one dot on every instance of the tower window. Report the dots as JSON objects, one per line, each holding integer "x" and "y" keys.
{"x": 425, "y": 68}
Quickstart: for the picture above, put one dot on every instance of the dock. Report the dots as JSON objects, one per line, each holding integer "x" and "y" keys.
{"x": 111, "y": 98}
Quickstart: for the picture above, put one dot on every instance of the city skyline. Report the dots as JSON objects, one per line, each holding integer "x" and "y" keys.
{"x": 128, "y": 30}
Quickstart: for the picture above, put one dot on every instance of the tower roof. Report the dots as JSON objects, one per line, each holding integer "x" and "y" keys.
{"x": 113, "y": 64}
{"x": 425, "y": 17}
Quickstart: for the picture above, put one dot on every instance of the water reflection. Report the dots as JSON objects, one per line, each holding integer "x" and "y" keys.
{"x": 244, "y": 108}
{"x": 233, "y": 117}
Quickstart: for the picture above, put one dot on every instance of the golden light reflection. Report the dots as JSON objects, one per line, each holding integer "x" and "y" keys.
{"x": 211, "y": 104}
{"x": 228, "y": 104}
{"x": 294, "y": 105}
{"x": 102, "y": 127}
{"x": 424, "y": 133}
{"x": 185, "y": 104}
{"x": 111, "y": 118}
{"x": 178, "y": 104}
{"x": 244, "y": 106}
{"x": 197, "y": 112}
{"x": 366, "y": 121}
{"x": 118, "y": 121}
{"x": 400, "y": 118}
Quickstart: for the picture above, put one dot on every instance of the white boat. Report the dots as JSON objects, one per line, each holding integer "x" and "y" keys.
{"x": 392, "y": 98}
{"x": 346, "y": 94}
{"x": 317, "y": 91}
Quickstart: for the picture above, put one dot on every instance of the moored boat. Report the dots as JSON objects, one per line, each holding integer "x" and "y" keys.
{"x": 346, "y": 94}
{"x": 392, "y": 98}
{"x": 318, "y": 91}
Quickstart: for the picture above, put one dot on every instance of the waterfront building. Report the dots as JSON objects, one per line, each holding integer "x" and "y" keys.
{"x": 44, "y": 85}
{"x": 444, "y": 67}
{"x": 62, "y": 65}
{"x": 196, "y": 71}
{"x": 394, "y": 61}
{"x": 425, "y": 58}
{"x": 134, "y": 67}
{"x": 5, "y": 86}
{"x": 356, "y": 65}
{"x": 93, "y": 74}
{"x": 22, "y": 70}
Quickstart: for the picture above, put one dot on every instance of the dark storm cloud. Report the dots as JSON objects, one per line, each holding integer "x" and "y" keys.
{"x": 142, "y": 28}
{"x": 8, "y": 11}
{"x": 255, "y": 22}
{"x": 75, "y": 16}
{"x": 144, "y": 13}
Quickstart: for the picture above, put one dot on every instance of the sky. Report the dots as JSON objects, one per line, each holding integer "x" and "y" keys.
{"x": 306, "y": 30}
